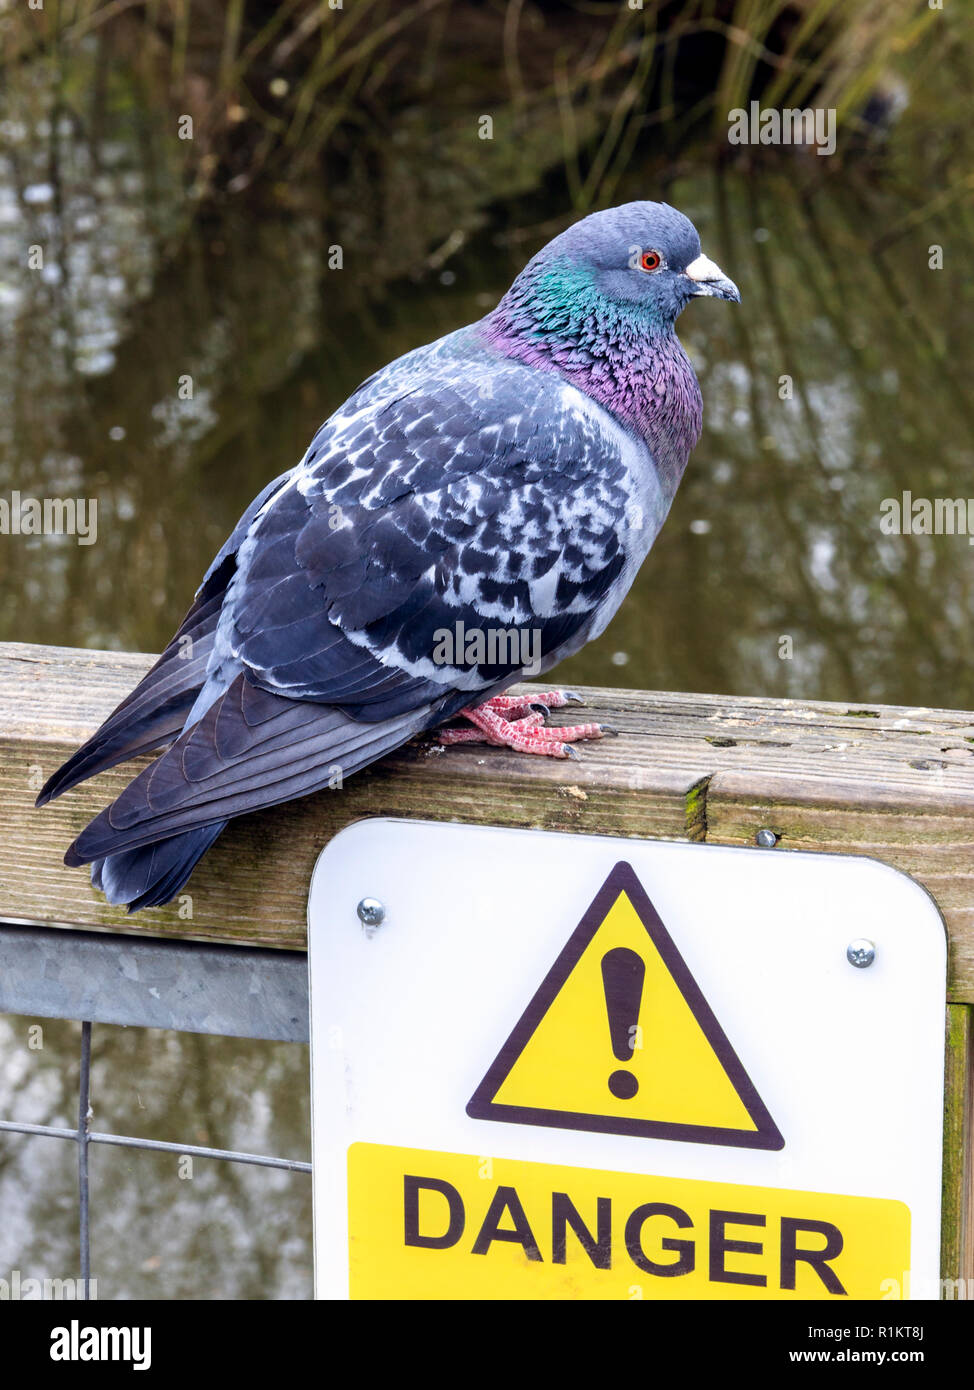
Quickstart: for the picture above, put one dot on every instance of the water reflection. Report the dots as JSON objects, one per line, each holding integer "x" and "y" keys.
{"x": 161, "y": 1226}
{"x": 776, "y": 529}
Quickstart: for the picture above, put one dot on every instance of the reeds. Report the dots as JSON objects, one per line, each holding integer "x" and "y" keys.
{"x": 271, "y": 84}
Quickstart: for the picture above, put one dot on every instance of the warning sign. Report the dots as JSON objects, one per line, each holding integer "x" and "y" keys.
{"x": 443, "y": 1225}
{"x": 563, "y": 1066}
{"x": 620, "y": 1039}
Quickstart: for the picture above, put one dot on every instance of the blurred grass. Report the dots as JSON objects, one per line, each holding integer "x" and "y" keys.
{"x": 274, "y": 89}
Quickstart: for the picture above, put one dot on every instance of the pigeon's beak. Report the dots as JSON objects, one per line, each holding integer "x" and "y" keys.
{"x": 708, "y": 278}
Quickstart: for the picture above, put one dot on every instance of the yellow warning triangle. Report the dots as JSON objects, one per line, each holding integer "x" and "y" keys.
{"x": 620, "y": 1039}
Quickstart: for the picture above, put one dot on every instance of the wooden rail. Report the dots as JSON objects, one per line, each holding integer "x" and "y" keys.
{"x": 897, "y": 784}
{"x": 893, "y": 783}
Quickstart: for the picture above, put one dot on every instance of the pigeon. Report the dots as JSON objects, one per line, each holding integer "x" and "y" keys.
{"x": 475, "y": 512}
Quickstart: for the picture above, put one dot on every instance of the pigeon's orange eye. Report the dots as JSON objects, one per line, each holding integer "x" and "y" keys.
{"x": 650, "y": 260}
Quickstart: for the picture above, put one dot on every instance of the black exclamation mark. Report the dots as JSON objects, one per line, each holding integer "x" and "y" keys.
{"x": 623, "y": 973}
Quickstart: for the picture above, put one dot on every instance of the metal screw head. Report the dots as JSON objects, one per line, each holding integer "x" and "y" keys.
{"x": 371, "y": 913}
{"x": 767, "y": 839}
{"x": 860, "y": 953}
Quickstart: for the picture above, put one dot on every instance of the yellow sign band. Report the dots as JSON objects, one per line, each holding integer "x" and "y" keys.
{"x": 445, "y": 1226}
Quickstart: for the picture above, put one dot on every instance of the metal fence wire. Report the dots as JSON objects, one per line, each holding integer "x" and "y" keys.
{"x": 230, "y": 991}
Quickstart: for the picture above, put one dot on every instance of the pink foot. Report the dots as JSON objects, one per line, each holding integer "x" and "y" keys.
{"x": 535, "y": 720}
{"x": 495, "y": 724}
{"x": 513, "y": 706}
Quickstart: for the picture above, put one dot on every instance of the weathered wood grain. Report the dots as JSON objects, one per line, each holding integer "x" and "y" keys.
{"x": 893, "y": 783}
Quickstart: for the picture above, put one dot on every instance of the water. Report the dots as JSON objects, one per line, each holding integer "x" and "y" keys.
{"x": 775, "y": 532}
{"x": 162, "y": 1225}
{"x": 843, "y": 378}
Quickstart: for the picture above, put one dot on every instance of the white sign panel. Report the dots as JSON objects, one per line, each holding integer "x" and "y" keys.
{"x": 566, "y": 1066}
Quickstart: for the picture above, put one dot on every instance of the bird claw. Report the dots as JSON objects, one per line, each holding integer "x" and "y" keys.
{"x": 527, "y": 734}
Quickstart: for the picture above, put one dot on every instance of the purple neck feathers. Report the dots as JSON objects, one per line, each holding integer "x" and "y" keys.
{"x": 631, "y": 363}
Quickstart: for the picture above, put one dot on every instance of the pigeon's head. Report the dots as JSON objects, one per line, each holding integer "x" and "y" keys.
{"x": 644, "y": 258}
{"x": 598, "y": 305}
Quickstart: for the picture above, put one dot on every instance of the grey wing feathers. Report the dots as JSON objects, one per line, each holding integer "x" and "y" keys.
{"x": 480, "y": 494}
{"x": 251, "y": 749}
{"x": 434, "y": 508}
{"x": 155, "y": 711}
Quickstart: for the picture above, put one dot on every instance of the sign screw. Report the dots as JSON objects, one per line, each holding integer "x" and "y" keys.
{"x": 767, "y": 839}
{"x": 860, "y": 953}
{"x": 371, "y": 913}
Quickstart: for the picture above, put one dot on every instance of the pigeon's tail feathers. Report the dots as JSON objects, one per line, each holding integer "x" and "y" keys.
{"x": 153, "y": 874}
{"x": 155, "y": 711}
{"x": 251, "y": 749}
